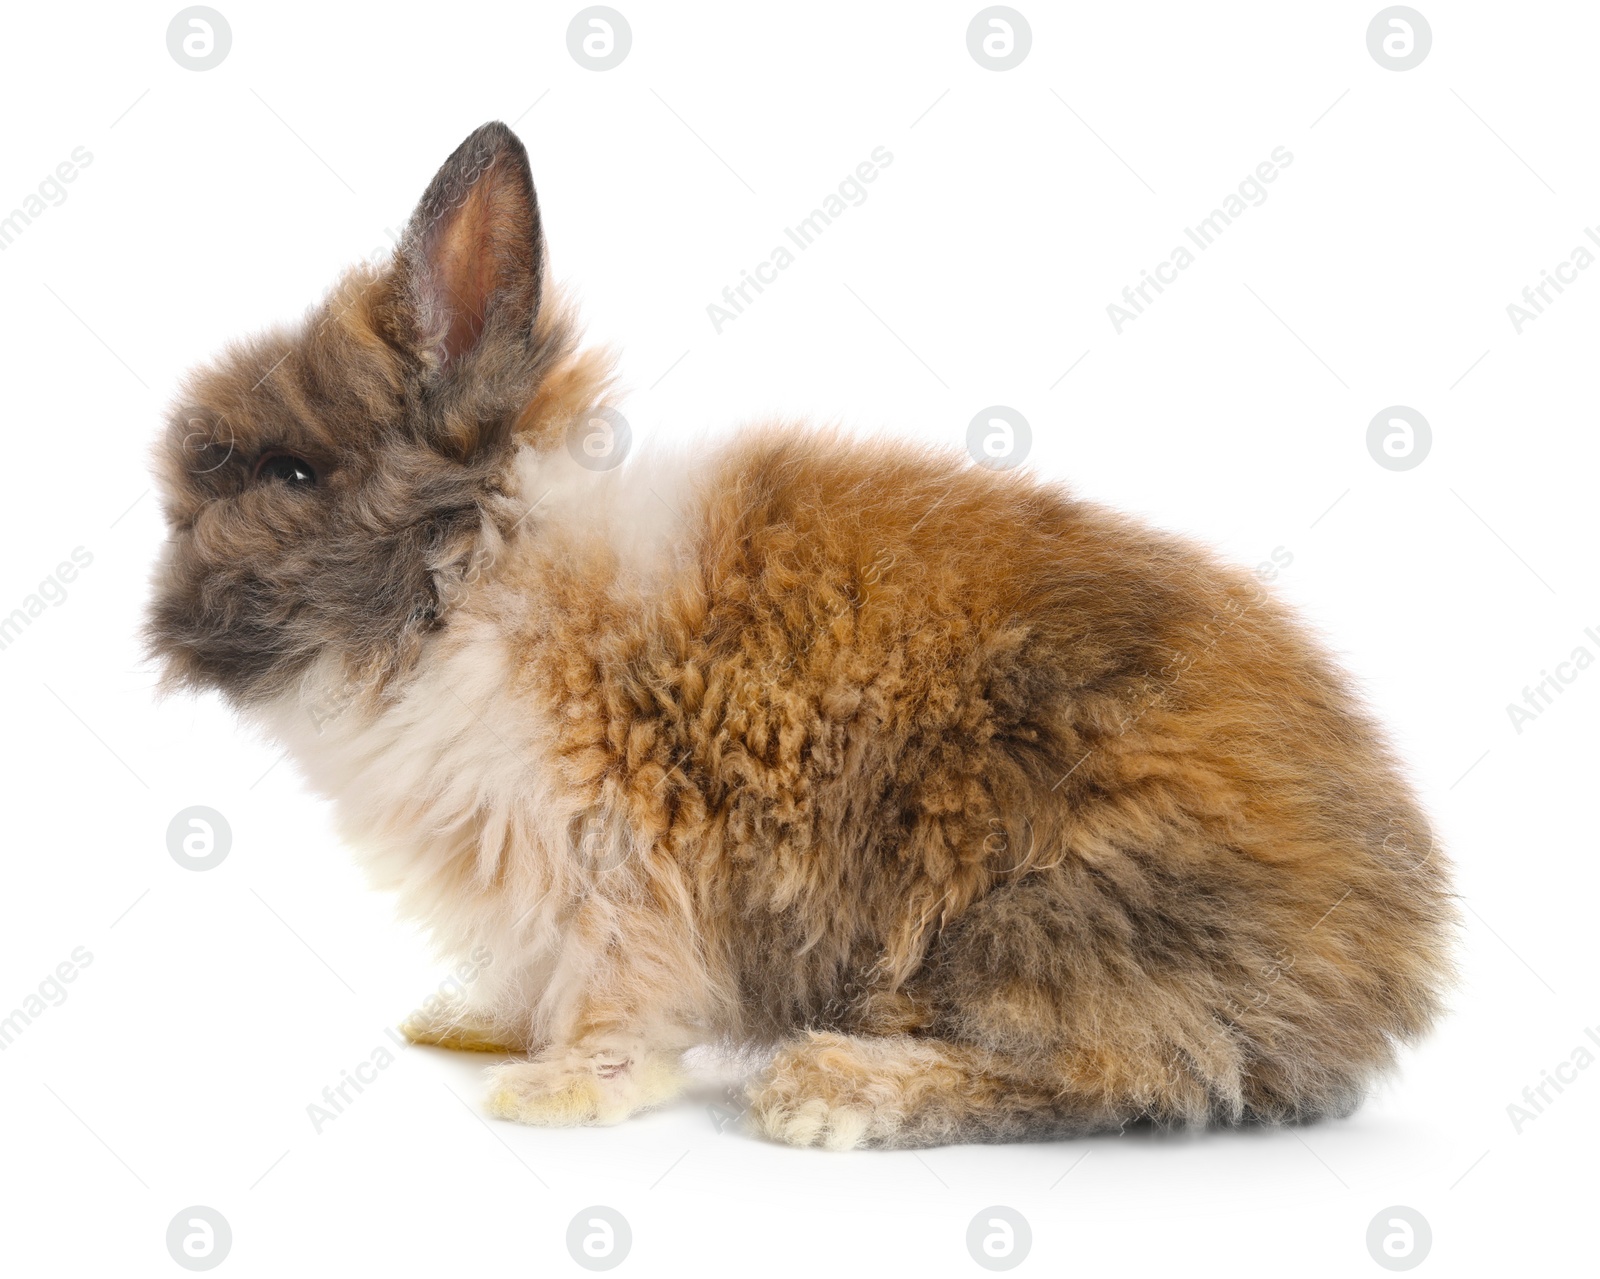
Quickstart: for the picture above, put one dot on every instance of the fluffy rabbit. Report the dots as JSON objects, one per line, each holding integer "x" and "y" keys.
{"x": 990, "y": 813}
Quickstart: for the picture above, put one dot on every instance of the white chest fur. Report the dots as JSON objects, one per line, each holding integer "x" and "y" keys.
{"x": 447, "y": 790}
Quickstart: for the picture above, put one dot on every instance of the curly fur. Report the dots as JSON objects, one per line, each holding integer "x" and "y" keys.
{"x": 994, "y": 813}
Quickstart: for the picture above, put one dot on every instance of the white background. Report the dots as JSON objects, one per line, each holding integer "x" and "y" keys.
{"x": 218, "y": 1005}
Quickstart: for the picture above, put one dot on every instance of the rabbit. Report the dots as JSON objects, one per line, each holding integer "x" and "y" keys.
{"x": 968, "y": 810}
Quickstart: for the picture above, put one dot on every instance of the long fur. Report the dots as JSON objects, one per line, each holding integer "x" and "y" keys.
{"x": 993, "y": 813}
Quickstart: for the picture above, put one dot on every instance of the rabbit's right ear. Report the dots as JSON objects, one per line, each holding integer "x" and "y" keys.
{"x": 472, "y": 256}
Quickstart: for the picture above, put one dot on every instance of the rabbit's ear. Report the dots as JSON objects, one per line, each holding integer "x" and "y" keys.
{"x": 473, "y": 254}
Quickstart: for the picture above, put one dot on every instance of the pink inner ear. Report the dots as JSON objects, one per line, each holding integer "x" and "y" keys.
{"x": 461, "y": 274}
{"x": 479, "y": 257}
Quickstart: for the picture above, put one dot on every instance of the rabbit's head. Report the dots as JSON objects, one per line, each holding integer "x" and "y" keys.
{"x": 325, "y": 483}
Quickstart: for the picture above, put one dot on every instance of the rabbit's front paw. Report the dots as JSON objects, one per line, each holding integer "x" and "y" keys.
{"x": 571, "y": 1087}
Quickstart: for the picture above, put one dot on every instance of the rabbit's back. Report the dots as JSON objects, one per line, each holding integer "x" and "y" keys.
{"x": 952, "y": 753}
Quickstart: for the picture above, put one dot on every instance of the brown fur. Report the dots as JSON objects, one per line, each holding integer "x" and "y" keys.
{"x": 997, "y": 813}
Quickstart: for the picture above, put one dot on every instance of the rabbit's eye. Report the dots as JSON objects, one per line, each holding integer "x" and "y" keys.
{"x": 285, "y": 467}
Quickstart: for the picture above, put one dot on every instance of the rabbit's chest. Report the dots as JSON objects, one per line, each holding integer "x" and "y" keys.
{"x": 444, "y": 793}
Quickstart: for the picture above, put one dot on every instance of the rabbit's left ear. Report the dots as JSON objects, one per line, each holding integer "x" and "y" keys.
{"x": 473, "y": 254}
